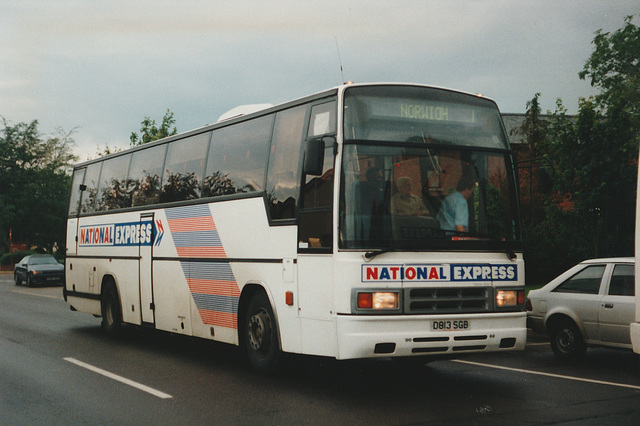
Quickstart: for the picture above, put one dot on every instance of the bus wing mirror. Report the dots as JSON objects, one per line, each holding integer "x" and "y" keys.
{"x": 314, "y": 157}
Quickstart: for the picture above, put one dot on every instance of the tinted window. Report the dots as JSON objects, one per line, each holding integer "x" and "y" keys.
{"x": 586, "y": 281}
{"x": 323, "y": 119}
{"x": 76, "y": 193}
{"x": 89, "y": 195}
{"x": 315, "y": 230}
{"x": 283, "y": 180}
{"x": 238, "y": 158}
{"x": 145, "y": 175}
{"x": 184, "y": 168}
{"x": 112, "y": 190}
{"x": 622, "y": 281}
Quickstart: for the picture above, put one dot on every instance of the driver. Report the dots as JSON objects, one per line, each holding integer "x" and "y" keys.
{"x": 454, "y": 211}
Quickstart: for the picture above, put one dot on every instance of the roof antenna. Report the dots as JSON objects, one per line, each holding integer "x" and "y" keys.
{"x": 339, "y": 58}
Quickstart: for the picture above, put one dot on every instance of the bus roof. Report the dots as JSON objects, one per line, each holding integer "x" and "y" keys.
{"x": 246, "y": 112}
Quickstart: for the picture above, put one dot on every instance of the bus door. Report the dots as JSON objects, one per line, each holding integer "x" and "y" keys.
{"x": 145, "y": 244}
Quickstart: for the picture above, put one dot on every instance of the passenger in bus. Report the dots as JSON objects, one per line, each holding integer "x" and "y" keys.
{"x": 404, "y": 203}
{"x": 454, "y": 211}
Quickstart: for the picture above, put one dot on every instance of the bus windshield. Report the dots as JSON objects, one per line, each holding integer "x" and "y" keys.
{"x": 425, "y": 169}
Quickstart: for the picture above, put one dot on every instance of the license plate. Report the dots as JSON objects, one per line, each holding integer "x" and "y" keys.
{"x": 447, "y": 325}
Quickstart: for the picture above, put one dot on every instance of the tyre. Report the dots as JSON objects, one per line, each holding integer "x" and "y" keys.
{"x": 28, "y": 280}
{"x": 111, "y": 310}
{"x": 260, "y": 334}
{"x": 17, "y": 279}
{"x": 567, "y": 341}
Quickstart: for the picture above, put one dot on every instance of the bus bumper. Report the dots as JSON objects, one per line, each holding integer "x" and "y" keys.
{"x": 362, "y": 336}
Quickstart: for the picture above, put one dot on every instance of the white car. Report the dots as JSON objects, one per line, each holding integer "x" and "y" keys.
{"x": 591, "y": 304}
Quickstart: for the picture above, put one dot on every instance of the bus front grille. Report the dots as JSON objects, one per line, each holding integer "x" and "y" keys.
{"x": 449, "y": 300}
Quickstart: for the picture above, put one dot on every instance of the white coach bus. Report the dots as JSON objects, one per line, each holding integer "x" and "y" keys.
{"x": 369, "y": 220}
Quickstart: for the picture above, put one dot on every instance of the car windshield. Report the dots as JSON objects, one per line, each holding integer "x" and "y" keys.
{"x": 44, "y": 260}
{"x": 427, "y": 190}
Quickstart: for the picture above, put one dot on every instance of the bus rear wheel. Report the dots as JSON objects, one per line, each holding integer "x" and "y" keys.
{"x": 110, "y": 308}
{"x": 261, "y": 334}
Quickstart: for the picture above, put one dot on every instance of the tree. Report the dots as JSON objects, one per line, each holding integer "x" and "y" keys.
{"x": 534, "y": 132}
{"x": 614, "y": 68}
{"x": 34, "y": 177}
{"x": 591, "y": 211}
{"x": 150, "y": 132}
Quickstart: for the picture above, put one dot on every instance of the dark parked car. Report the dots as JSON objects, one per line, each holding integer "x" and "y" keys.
{"x": 38, "y": 269}
{"x": 591, "y": 304}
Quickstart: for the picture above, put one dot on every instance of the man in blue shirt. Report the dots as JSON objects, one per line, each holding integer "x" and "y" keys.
{"x": 454, "y": 211}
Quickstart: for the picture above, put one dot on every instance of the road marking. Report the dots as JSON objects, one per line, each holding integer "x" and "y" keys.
{"x": 120, "y": 379}
{"x": 540, "y": 373}
{"x": 537, "y": 343}
{"x": 36, "y": 294}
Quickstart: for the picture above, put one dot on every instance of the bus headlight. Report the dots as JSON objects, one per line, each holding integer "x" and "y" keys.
{"x": 507, "y": 298}
{"x": 377, "y": 300}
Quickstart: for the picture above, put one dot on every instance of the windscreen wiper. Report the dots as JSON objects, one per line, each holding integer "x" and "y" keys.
{"x": 371, "y": 254}
{"x": 480, "y": 237}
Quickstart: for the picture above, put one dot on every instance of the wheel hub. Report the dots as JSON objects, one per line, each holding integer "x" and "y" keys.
{"x": 259, "y": 330}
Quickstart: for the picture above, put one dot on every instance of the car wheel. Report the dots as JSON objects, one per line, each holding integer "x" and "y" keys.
{"x": 17, "y": 279}
{"x": 261, "y": 335}
{"x": 111, "y": 310}
{"x": 28, "y": 281}
{"x": 567, "y": 341}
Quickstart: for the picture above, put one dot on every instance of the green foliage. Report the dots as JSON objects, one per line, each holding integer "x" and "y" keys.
{"x": 106, "y": 150}
{"x": 149, "y": 131}
{"x": 17, "y": 256}
{"x": 614, "y": 68}
{"x": 595, "y": 158}
{"x": 35, "y": 182}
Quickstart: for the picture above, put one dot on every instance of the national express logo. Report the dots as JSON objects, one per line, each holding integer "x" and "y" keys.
{"x": 142, "y": 233}
{"x": 438, "y": 273}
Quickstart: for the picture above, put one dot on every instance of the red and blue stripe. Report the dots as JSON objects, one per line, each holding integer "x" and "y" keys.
{"x": 212, "y": 284}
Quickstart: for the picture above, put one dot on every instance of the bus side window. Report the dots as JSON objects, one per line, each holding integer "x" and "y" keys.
{"x": 144, "y": 178}
{"x": 237, "y": 158}
{"x": 89, "y": 195}
{"x": 112, "y": 190}
{"x": 184, "y": 168}
{"x": 323, "y": 120}
{"x": 76, "y": 192}
{"x": 283, "y": 178}
{"x": 315, "y": 230}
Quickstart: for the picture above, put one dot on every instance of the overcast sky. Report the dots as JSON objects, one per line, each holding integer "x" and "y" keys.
{"x": 100, "y": 67}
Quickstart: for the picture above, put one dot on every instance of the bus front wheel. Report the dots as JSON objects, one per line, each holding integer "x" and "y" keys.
{"x": 261, "y": 334}
{"x": 111, "y": 311}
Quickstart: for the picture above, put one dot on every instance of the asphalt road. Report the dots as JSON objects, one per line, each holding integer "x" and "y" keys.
{"x": 56, "y": 367}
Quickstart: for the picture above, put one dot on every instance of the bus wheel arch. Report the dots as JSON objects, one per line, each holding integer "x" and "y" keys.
{"x": 110, "y": 306}
{"x": 258, "y": 329}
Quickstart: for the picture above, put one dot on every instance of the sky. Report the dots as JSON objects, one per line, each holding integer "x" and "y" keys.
{"x": 98, "y": 68}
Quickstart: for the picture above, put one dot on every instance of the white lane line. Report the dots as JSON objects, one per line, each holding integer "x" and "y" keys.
{"x": 120, "y": 379}
{"x": 36, "y": 294}
{"x": 540, "y": 373}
